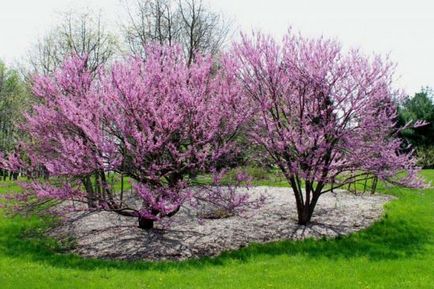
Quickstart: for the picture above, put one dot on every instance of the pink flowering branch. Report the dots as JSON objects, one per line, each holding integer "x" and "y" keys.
{"x": 156, "y": 120}
{"x": 322, "y": 114}
{"x": 227, "y": 200}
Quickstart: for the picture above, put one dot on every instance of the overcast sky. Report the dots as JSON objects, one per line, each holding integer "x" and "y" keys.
{"x": 405, "y": 29}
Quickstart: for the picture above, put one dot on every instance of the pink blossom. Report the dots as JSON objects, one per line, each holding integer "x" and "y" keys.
{"x": 323, "y": 115}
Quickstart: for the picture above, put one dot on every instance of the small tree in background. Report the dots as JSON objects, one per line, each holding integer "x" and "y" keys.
{"x": 79, "y": 33}
{"x": 155, "y": 121}
{"x": 324, "y": 116}
{"x": 14, "y": 101}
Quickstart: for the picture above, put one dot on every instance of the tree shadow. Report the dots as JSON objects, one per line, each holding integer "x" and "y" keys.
{"x": 385, "y": 240}
{"x": 389, "y": 238}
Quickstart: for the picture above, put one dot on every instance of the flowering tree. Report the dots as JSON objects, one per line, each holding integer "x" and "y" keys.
{"x": 156, "y": 121}
{"x": 326, "y": 117}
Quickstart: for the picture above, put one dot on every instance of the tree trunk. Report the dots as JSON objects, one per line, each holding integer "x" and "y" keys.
{"x": 91, "y": 198}
{"x": 374, "y": 185}
{"x": 304, "y": 216}
{"x": 305, "y": 204}
{"x": 145, "y": 224}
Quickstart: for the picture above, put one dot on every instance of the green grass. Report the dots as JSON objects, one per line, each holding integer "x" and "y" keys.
{"x": 396, "y": 252}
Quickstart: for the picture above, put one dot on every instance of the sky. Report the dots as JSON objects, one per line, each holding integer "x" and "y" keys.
{"x": 402, "y": 29}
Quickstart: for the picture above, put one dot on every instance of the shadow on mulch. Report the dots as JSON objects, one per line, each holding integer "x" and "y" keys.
{"x": 387, "y": 239}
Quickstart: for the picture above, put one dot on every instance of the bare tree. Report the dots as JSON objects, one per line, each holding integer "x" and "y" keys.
{"x": 80, "y": 33}
{"x": 189, "y": 23}
{"x": 150, "y": 21}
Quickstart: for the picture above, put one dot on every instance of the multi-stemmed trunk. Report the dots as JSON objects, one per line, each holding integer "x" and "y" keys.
{"x": 306, "y": 202}
{"x": 305, "y": 212}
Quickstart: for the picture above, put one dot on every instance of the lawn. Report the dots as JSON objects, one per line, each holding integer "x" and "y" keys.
{"x": 397, "y": 252}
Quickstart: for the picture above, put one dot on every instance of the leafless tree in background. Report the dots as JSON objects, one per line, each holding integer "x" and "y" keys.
{"x": 150, "y": 21}
{"x": 187, "y": 22}
{"x": 79, "y": 33}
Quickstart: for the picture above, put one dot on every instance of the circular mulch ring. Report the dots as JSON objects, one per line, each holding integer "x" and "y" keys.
{"x": 108, "y": 235}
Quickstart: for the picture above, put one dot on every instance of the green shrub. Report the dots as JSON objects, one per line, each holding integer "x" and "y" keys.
{"x": 425, "y": 157}
{"x": 256, "y": 173}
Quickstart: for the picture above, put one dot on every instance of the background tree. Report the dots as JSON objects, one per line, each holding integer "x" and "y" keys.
{"x": 419, "y": 107}
{"x": 14, "y": 101}
{"x": 325, "y": 117}
{"x": 187, "y": 22}
{"x": 79, "y": 33}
